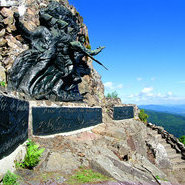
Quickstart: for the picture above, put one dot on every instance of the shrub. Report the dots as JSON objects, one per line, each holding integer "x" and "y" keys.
{"x": 3, "y": 84}
{"x": 182, "y": 139}
{"x": 88, "y": 46}
{"x": 112, "y": 95}
{"x": 32, "y": 156}
{"x": 143, "y": 116}
{"x": 10, "y": 179}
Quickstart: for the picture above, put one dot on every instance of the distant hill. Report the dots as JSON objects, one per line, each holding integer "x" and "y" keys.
{"x": 174, "y": 109}
{"x": 173, "y": 123}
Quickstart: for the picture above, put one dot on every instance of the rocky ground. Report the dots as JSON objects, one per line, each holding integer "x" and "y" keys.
{"x": 117, "y": 149}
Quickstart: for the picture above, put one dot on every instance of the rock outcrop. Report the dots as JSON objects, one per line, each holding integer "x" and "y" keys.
{"x": 119, "y": 150}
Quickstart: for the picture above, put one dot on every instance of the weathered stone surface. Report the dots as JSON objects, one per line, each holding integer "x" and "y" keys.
{"x": 13, "y": 124}
{"x": 11, "y": 28}
{"x": 147, "y": 165}
{"x": 8, "y": 60}
{"x": 65, "y": 162}
{"x": 2, "y": 74}
{"x": 12, "y": 42}
{"x": 2, "y": 42}
{"x": 30, "y": 25}
{"x": 6, "y": 12}
{"x": 120, "y": 170}
{"x": 100, "y": 129}
{"x": 161, "y": 156}
{"x": 8, "y": 20}
{"x": 56, "y": 120}
{"x": 107, "y": 153}
{"x": 2, "y": 32}
{"x": 8, "y": 3}
{"x": 105, "y": 166}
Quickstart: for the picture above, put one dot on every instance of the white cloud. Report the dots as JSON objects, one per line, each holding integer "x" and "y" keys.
{"x": 170, "y": 93}
{"x": 139, "y": 79}
{"x": 147, "y": 90}
{"x": 131, "y": 96}
{"x": 108, "y": 85}
{"x": 148, "y": 96}
{"x": 112, "y": 86}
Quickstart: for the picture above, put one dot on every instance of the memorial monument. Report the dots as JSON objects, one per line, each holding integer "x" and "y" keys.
{"x": 53, "y": 66}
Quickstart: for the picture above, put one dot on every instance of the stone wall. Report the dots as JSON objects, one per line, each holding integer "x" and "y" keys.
{"x": 171, "y": 139}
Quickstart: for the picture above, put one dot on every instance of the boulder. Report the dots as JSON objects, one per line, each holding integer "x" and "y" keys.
{"x": 65, "y": 162}
{"x": 2, "y": 42}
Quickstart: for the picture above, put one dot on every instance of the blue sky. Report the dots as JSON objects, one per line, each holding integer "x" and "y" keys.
{"x": 145, "y": 47}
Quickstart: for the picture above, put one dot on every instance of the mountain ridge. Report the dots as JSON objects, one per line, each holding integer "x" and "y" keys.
{"x": 174, "y": 109}
{"x": 172, "y": 123}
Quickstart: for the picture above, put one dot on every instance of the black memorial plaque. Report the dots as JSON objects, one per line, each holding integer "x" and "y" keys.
{"x": 50, "y": 120}
{"x": 13, "y": 124}
{"x": 125, "y": 112}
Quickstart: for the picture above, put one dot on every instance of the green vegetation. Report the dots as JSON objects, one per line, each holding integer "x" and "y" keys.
{"x": 32, "y": 157}
{"x": 182, "y": 139}
{"x": 87, "y": 38}
{"x": 10, "y": 179}
{"x": 88, "y": 46}
{"x": 143, "y": 116}
{"x": 112, "y": 95}
{"x": 172, "y": 123}
{"x": 3, "y": 84}
{"x": 161, "y": 179}
{"x": 86, "y": 176}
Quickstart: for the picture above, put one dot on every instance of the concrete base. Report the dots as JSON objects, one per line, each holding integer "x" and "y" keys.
{"x": 8, "y": 163}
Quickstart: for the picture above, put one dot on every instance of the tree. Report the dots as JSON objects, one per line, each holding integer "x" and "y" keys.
{"x": 182, "y": 139}
{"x": 143, "y": 116}
{"x": 112, "y": 95}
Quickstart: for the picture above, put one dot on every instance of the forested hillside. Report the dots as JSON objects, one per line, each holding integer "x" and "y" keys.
{"x": 172, "y": 109}
{"x": 174, "y": 124}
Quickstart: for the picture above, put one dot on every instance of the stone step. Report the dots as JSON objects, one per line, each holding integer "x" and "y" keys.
{"x": 154, "y": 132}
{"x": 174, "y": 156}
{"x": 162, "y": 140}
{"x": 178, "y": 166}
{"x": 170, "y": 151}
{"x": 167, "y": 146}
{"x": 177, "y": 160}
{"x": 158, "y": 136}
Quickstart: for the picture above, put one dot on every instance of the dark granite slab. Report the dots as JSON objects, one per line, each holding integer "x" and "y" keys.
{"x": 13, "y": 124}
{"x": 125, "y": 112}
{"x": 52, "y": 120}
